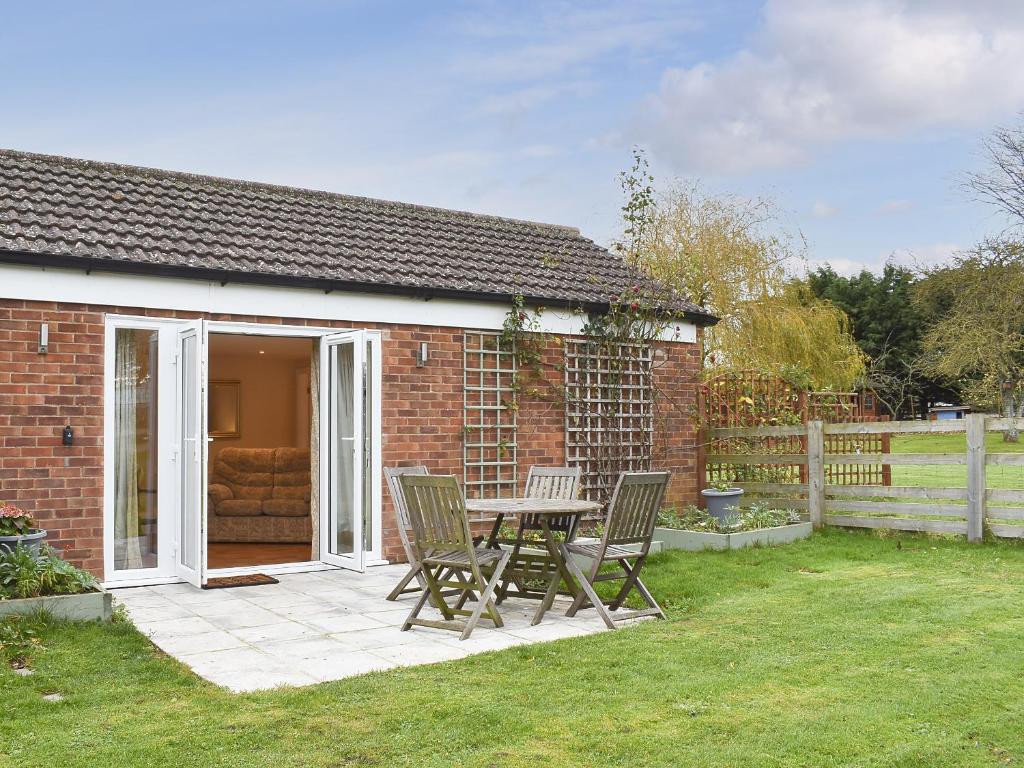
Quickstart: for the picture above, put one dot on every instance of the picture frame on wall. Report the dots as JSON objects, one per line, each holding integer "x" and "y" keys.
{"x": 225, "y": 408}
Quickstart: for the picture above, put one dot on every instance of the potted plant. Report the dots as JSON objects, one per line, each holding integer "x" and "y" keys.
{"x": 722, "y": 500}
{"x": 16, "y": 528}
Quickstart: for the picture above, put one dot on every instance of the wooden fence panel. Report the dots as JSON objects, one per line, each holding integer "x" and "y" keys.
{"x": 833, "y": 492}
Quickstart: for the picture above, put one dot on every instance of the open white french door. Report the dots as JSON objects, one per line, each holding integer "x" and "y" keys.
{"x": 190, "y": 540}
{"x": 347, "y": 450}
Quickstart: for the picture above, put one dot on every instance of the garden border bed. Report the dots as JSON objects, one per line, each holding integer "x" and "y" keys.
{"x": 85, "y": 606}
{"x": 698, "y": 541}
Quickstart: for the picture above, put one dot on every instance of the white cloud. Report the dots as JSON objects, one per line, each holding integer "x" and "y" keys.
{"x": 822, "y": 210}
{"x": 925, "y": 255}
{"x": 896, "y": 206}
{"x": 564, "y": 36}
{"x": 539, "y": 151}
{"x": 820, "y": 71}
{"x": 915, "y": 257}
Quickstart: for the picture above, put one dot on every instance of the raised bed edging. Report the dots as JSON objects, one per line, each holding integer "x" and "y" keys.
{"x": 698, "y": 541}
{"x": 88, "y": 606}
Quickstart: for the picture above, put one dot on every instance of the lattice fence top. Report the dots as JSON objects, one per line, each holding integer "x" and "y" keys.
{"x": 489, "y": 415}
{"x": 757, "y": 399}
{"x": 609, "y": 413}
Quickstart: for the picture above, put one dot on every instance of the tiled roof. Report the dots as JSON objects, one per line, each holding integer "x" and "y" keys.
{"x": 141, "y": 219}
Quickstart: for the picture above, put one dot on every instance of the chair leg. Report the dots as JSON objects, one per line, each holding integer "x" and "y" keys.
{"x": 416, "y": 610}
{"x": 549, "y": 597}
{"x": 588, "y": 592}
{"x": 484, "y": 601}
{"x": 633, "y": 580}
{"x": 649, "y": 598}
{"x": 631, "y": 577}
{"x": 414, "y": 573}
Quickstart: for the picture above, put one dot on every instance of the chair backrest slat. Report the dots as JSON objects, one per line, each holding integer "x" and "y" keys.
{"x": 634, "y": 508}
{"x": 392, "y": 475}
{"x": 437, "y": 513}
{"x": 552, "y": 483}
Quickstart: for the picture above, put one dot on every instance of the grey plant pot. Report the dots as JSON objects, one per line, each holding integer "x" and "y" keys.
{"x": 30, "y": 540}
{"x": 722, "y": 504}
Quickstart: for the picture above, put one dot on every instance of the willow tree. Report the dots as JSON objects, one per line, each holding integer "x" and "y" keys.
{"x": 978, "y": 340}
{"x": 732, "y": 256}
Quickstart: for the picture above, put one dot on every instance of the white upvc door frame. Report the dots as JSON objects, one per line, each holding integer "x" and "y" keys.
{"x": 167, "y": 481}
{"x": 169, "y": 427}
{"x": 191, "y": 379}
{"x": 366, "y": 440}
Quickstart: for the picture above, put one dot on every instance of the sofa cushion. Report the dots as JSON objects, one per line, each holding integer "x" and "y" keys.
{"x": 286, "y": 507}
{"x": 248, "y": 472}
{"x": 291, "y": 474}
{"x": 240, "y": 508}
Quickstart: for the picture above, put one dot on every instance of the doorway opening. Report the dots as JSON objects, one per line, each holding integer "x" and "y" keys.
{"x": 261, "y": 505}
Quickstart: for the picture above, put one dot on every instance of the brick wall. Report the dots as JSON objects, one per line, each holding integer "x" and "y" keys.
{"x": 421, "y": 408}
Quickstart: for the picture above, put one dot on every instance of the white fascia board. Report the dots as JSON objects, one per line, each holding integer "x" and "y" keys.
{"x": 36, "y": 283}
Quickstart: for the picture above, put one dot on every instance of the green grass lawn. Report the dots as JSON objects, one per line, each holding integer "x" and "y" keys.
{"x": 845, "y": 650}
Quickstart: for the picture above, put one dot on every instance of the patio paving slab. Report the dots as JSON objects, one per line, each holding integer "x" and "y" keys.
{"x": 318, "y": 626}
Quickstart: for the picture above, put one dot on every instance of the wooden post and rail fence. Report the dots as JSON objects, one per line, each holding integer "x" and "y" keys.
{"x": 965, "y": 506}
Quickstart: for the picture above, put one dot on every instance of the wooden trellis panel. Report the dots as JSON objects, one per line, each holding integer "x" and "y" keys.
{"x": 755, "y": 399}
{"x": 609, "y": 412}
{"x": 489, "y": 416}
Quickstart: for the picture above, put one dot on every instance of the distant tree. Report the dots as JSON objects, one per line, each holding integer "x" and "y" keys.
{"x": 731, "y": 255}
{"x": 1001, "y": 183}
{"x": 888, "y": 326}
{"x": 977, "y": 342}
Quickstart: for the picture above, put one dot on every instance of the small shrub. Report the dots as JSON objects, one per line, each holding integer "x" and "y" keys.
{"x": 25, "y": 574}
{"x": 18, "y": 638}
{"x": 751, "y": 518}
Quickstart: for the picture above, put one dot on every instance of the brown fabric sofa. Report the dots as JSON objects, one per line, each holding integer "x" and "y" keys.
{"x": 260, "y": 495}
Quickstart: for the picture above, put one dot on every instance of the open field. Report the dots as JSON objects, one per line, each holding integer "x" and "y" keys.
{"x": 953, "y": 476}
{"x": 846, "y": 649}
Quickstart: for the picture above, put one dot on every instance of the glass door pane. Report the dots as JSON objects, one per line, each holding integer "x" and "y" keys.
{"x": 136, "y": 454}
{"x": 343, "y": 539}
{"x": 191, "y": 532}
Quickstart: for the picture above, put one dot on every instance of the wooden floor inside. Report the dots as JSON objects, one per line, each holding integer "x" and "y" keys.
{"x": 238, "y": 555}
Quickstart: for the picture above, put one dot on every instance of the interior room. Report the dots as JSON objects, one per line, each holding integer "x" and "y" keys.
{"x": 260, "y": 412}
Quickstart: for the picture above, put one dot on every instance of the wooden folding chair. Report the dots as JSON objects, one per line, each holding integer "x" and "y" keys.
{"x": 392, "y": 474}
{"x": 631, "y": 517}
{"x": 528, "y": 570}
{"x": 441, "y": 538}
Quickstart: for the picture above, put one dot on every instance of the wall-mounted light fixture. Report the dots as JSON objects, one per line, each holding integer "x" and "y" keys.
{"x": 422, "y": 354}
{"x": 44, "y": 338}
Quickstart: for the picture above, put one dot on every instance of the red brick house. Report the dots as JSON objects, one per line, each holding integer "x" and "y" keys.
{"x": 200, "y": 375}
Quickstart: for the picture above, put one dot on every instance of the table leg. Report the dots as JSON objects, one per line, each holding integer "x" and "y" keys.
{"x": 493, "y": 535}
{"x": 561, "y": 573}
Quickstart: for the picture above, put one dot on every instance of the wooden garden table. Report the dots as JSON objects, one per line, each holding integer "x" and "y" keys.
{"x": 543, "y": 510}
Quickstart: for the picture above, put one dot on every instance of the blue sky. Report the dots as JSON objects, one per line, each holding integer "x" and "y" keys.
{"x": 856, "y": 116}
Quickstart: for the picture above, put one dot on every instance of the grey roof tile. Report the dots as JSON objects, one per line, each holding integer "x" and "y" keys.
{"x": 125, "y": 216}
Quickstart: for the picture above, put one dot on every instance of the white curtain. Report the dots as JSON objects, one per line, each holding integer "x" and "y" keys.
{"x": 314, "y": 446}
{"x": 126, "y": 477}
{"x": 345, "y": 423}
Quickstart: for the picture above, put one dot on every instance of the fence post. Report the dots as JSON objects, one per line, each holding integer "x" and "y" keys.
{"x": 816, "y": 472}
{"x": 975, "y": 476}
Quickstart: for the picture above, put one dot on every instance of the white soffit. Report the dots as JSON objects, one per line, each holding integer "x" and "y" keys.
{"x": 30, "y": 283}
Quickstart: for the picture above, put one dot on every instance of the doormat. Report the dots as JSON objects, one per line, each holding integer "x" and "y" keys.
{"x": 249, "y": 580}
